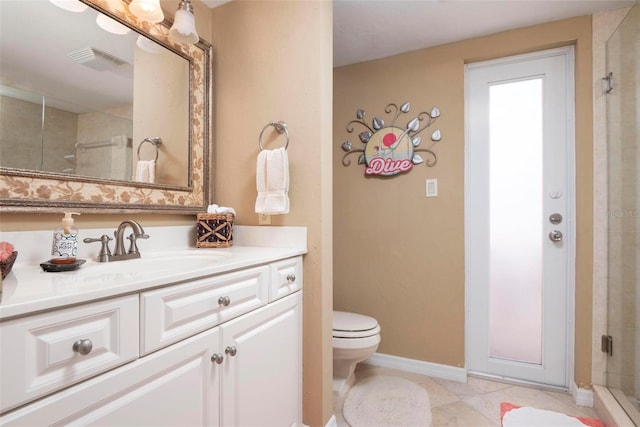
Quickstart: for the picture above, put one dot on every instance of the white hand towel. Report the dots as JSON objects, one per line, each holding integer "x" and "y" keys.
{"x": 146, "y": 171}
{"x": 272, "y": 182}
{"x": 220, "y": 209}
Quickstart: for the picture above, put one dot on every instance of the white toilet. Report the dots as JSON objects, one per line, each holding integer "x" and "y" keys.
{"x": 355, "y": 338}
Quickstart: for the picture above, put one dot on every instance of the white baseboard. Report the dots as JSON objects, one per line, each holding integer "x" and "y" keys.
{"x": 581, "y": 396}
{"x": 332, "y": 422}
{"x": 418, "y": 367}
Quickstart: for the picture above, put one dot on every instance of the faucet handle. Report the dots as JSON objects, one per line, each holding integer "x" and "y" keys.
{"x": 105, "y": 252}
{"x": 133, "y": 248}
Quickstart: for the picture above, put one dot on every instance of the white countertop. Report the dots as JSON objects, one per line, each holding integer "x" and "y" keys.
{"x": 28, "y": 289}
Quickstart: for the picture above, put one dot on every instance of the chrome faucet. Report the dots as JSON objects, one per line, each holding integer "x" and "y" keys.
{"x": 138, "y": 233}
{"x": 119, "y": 254}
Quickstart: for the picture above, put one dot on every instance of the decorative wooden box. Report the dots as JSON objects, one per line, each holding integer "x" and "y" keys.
{"x": 214, "y": 230}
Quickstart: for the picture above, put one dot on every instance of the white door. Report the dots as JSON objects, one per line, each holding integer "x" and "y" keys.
{"x": 519, "y": 217}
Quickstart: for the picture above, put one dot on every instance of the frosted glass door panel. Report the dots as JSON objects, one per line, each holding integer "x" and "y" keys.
{"x": 516, "y": 226}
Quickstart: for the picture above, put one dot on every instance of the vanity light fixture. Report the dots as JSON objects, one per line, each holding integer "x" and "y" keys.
{"x": 70, "y": 5}
{"x": 147, "y": 45}
{"x": 183, "y": 29}
{"x": 148, "y": 10}
{"x": 111, "y": 25}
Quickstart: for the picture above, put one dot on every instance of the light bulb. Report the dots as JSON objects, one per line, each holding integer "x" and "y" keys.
{"x": 148, "y": 10}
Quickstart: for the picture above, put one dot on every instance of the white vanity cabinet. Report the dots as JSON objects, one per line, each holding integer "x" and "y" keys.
{"x": 201, "y": 362}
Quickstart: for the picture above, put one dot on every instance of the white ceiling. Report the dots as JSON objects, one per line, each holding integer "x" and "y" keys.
{"x": 215, "y": 3}
{"x": 370, "y": 29}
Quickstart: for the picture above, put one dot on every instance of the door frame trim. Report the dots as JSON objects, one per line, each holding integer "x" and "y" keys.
{"x": 569, "y": 54}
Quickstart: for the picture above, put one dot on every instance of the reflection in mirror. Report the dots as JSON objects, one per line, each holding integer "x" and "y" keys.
{"x": 156, "y": 104}
{"x": 79, "y": 93}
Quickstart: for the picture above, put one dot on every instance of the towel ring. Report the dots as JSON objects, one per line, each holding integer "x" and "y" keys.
{"x": 156, "y": 142}
{"x": 281, "y": 127}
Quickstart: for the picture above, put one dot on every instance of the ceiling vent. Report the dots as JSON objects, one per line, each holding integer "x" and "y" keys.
{"x": 96, "y": 59}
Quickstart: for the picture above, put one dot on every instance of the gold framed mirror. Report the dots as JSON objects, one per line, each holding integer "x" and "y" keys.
{"x": 30, "y": 189}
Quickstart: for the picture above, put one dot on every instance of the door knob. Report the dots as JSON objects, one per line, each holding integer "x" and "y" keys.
{"x": 555, "y": 236}
{"x": 231, "y": 351}
{"x": 217, "y": 358}
{"x": 225, "y": 301}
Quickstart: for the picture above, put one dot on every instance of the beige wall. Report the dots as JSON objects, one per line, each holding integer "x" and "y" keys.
{"x": 399, "y": 256}
{"x": 162, "y": 113}
{"x": 273, "y": 61}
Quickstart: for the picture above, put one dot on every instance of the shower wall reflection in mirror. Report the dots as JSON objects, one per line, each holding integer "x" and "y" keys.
{"x": 79, "y": 93}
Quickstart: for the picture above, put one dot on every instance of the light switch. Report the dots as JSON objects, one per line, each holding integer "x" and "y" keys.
{"x": 432, "y": 187}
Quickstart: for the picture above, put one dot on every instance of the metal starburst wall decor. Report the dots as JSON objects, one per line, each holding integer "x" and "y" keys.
{"x": 391, "y": 149}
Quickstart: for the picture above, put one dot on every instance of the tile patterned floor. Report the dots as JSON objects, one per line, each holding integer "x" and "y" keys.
{"x": 476, "y": 403}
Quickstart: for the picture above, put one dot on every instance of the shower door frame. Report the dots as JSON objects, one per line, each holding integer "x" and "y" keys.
{"x": 619, "y": 217}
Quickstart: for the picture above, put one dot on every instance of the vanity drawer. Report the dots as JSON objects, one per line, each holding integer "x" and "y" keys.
{"x": 177, "y": 312}
{"x": 286, "y": 278}
{"x": 40, "y": 354}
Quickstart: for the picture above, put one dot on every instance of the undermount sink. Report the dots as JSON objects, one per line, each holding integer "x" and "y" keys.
{"x": 163, "y": 261}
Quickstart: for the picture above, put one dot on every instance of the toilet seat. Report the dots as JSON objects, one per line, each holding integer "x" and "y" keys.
{"x": 352, "y": 325}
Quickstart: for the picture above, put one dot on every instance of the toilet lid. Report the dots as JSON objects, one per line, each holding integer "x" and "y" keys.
{"x": 352, "y": 325}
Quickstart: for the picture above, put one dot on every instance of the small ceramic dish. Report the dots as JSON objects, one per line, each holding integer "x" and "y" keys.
{"x": 55, "y": 268}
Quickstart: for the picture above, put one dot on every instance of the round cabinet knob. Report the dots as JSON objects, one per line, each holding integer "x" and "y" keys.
{"x": 224, "y": 301}
{"x": 217, "y": 358}
{"x": 231, "y": 351}
{"x": 291, "y": 278}
{"x": 83, "y": 347}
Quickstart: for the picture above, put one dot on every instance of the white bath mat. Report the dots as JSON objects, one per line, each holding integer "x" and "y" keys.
{"x": 381, "y": 401}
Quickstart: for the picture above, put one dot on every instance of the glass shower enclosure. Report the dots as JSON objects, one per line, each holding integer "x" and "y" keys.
{"x": 623, "y": 126}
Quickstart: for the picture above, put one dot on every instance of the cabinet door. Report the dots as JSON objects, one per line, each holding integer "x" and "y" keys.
{"x": 262, "y": 381}
{"x": 177, "y": 386}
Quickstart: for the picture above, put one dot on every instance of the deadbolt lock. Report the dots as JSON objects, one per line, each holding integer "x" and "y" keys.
{"x": 555, "y": 218}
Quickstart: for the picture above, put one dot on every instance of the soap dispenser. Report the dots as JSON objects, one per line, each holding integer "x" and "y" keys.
{"x": 65, "y": 241}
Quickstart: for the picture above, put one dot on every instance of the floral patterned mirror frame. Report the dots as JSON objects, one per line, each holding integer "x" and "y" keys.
{"x": 27, "y": 191}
